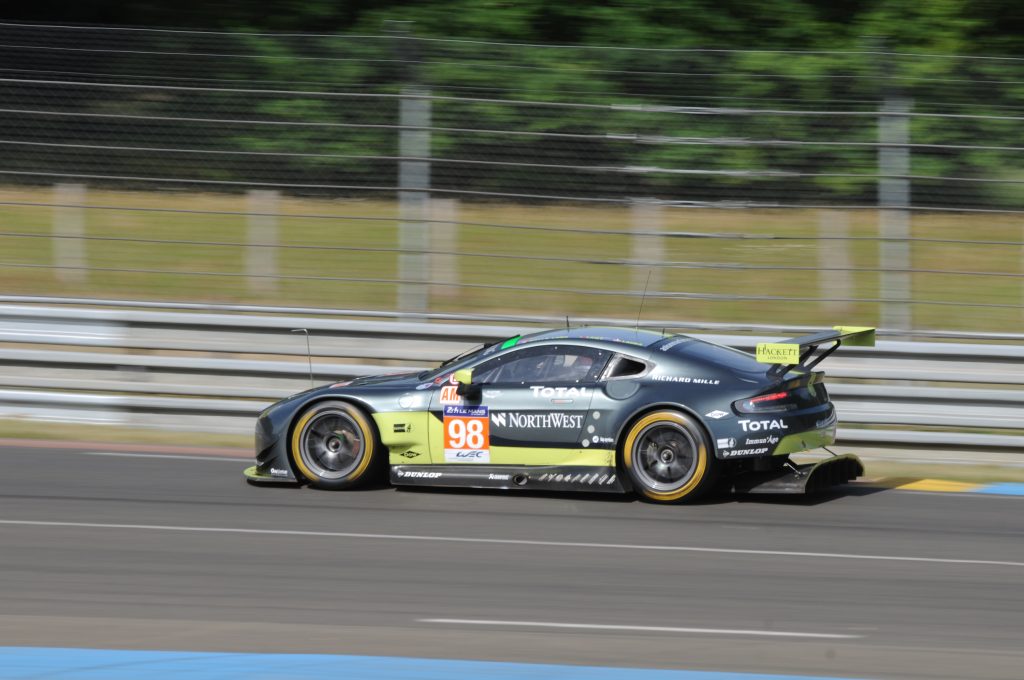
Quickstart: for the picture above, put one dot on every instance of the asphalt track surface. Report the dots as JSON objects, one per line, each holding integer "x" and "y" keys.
{"x": 178, "y": 553}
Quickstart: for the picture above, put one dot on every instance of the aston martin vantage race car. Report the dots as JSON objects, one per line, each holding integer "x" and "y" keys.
{"x": 669, "y": 417}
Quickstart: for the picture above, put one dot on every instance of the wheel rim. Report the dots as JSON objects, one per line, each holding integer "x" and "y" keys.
{"x": 665, "y": 456}
{"x": 331, "y": 444}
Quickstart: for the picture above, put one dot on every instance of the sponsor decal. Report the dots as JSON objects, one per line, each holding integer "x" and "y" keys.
{"x": 450, "y": 395}
{"x": 274, "y": 472}
{"x": 602, "y": 440}
{"x": 716, "y": 414}
{"x": 670, "y": 344}
{"x": 686, "y": 379}
{"x": 344, "y": 383}
{"x": 770, "y": 439}
{"x": 418, "y": 474}
{"x": 425, "y": 386}
{"x": 410, "y": 454}
{"x": 759, "y": 425}
{"x": 559, "y": 392}
{"x": 777, "y": 353}
{"x": 499, "y": 478}
{"x": 542, "y": 421}
{"x": 467, "y": 434}
{"x": 744, "y": 452}
{"x": 587, "y": 478}
{"x": 492, "y": 394}
{"x": 727, "y": 443}
{"x": 444, "y": 378}
{"x": 400, "y": 428}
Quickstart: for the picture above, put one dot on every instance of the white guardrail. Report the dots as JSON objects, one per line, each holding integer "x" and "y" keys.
{"x": 214, "y": 367}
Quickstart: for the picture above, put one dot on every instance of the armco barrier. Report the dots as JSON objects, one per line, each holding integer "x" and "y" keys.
{"x": 212, "y": 368}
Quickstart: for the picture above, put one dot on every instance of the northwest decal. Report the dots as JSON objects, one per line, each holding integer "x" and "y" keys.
{"x": 467, "y": 434}
{"x": 538, "y": 421}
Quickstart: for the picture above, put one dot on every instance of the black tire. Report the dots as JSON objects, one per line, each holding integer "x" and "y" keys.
{"x": 334, "y": 445}
{"x": 668, "y": 458}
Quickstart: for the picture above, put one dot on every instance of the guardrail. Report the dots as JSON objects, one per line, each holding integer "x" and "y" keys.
{"x": 213, "y": 367}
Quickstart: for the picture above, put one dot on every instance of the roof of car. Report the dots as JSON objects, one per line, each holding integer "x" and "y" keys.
{"x": 629, "y": 336}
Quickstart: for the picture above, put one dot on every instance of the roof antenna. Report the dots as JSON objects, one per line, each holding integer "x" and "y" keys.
{"x": 637, "y": 329}
{"x": 566, "y": 322}
{"x": 309, "y": 354}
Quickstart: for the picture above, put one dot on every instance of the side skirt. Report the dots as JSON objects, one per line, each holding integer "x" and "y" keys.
{"x": 531, "y": 478}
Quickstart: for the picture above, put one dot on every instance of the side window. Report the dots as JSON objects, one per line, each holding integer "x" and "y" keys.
{"x": 624, "y": 367}
{"x": 549, "y": 364}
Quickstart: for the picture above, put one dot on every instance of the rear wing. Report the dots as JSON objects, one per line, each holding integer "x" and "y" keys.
{"x": 797, "y": 351}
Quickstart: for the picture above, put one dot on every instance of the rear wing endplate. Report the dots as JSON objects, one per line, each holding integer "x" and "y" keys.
{"x": 796, "y": 351}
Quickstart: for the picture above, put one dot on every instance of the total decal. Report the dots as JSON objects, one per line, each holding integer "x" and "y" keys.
{"x": 539, "y": 391}
{"x": 760, "y": 425}
{"x": 467, "y": 434}
{"x": 540, "y": 421}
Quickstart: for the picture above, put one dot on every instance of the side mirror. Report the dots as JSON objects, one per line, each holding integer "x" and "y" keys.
{"x": 466, "y": 388}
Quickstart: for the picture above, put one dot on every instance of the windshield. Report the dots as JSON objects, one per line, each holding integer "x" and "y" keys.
{"x": 469, "y": 353}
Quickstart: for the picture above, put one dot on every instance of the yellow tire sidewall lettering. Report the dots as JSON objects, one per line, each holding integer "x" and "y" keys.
{"x": 357, "y": 416}
{"x": 702, "y": 454}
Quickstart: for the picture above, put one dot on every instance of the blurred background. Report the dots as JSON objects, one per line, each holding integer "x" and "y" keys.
{"x": 751, "y": 163}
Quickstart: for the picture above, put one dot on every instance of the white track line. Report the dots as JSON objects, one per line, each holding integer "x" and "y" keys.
{"x": 649, "y": 629}
{"x": 508, "y": 541}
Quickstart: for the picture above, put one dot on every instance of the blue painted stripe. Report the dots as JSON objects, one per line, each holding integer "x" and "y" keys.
{"x": 22, "y": 663}
{"x": 1004, "y": 488}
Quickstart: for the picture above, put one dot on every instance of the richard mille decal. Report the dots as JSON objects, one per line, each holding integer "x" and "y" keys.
{"x": 758, "y": 425}
{"x": 686, "y": 379}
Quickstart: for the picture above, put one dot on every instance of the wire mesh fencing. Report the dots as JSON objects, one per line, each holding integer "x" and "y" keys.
{"x": 401, "y": 172}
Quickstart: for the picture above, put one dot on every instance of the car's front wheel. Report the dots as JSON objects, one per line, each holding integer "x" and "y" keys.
{"x": 334, "y": 446}
{"x": 667, "y": 457}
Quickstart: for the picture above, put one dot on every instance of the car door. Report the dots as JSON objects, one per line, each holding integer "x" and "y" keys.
{"x": 528, "y": 406}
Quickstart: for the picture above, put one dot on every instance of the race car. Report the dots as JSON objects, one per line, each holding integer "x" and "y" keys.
{"x": 620, "y": 410}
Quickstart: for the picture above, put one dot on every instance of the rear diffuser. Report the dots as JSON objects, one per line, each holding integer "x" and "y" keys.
{"x": 809, "y": 478}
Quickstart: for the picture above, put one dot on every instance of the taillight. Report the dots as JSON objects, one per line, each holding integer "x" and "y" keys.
{"x": 775, "y": 402}
{"x": 797, "y": 397}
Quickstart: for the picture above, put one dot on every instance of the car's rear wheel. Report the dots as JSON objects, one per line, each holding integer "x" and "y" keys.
{"x": 667, "y": 457}
{"x": 335, "y": 446}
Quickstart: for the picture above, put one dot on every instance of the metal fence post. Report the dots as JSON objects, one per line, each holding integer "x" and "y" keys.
{"x": 444, "y": 243}
{"x": 894, "y": 214}
{"x": 835, "y": 281}
{"x": 68, "y": 230}
{"x": 261, "y": 255}
{"x": 413, "y": 180}
{"x": 645, "y": 218}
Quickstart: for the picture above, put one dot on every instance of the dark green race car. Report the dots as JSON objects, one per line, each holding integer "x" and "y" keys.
{"x": 588, "y": 409}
